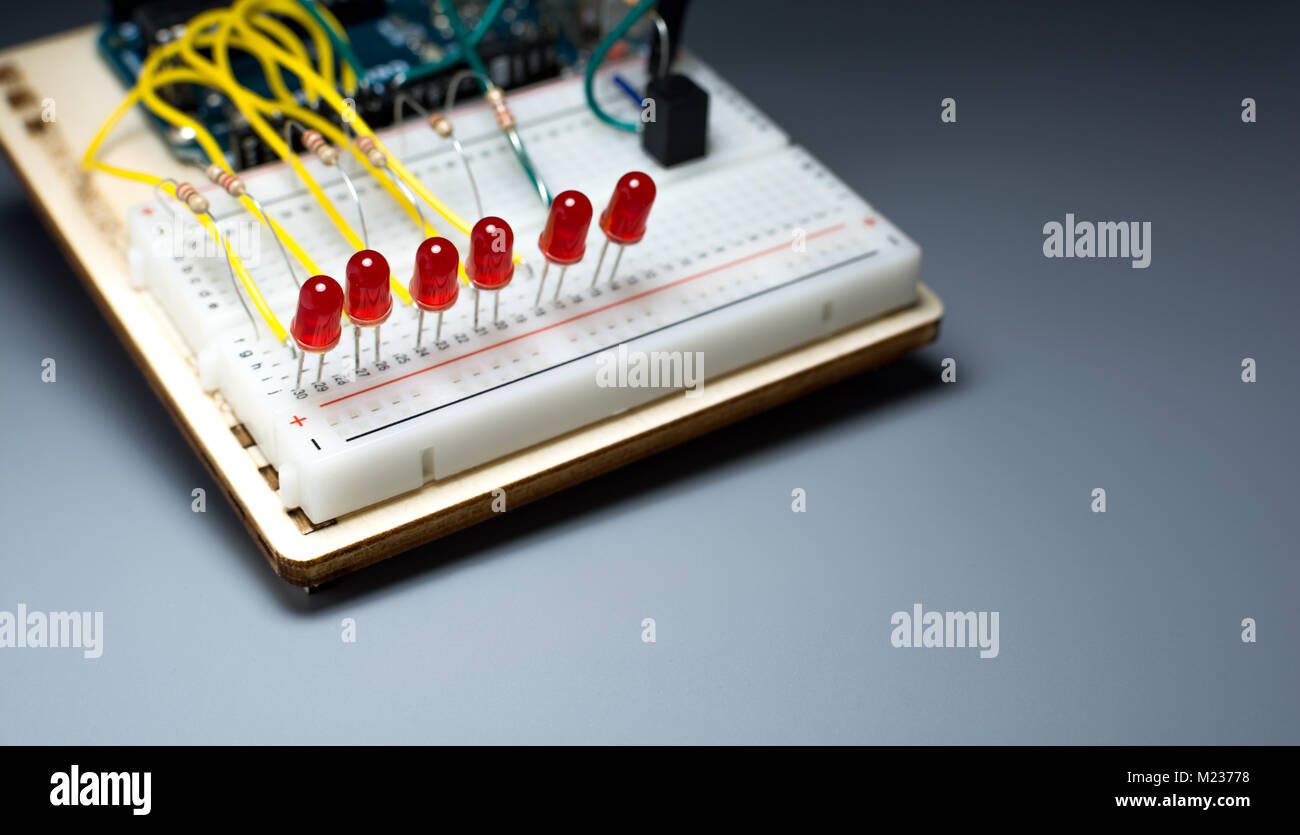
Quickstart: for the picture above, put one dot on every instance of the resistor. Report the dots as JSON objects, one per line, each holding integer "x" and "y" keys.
{"x": 497, "y": 98}
{"x": 366, "y": 145}
{"x": 441, "y": 125}
{"x": 324, "y": 151}
{"x": 226, "y": 181}
{"x": 190, "y": 196}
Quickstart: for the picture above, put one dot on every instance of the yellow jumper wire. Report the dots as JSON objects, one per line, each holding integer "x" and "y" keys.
{"x": 309, "y": 79}
{"x": 236, "y": 264}
{"x": 252, "y": 106}
{"x": 214, "y": 154}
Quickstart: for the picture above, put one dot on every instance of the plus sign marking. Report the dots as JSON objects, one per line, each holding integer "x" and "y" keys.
{"x": 297, "y": 421}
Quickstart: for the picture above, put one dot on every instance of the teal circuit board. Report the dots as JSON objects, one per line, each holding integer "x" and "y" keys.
{"x": 405, "y": 46}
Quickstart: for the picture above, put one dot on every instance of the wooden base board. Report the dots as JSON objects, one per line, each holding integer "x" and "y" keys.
{"x": 84, "y": 216}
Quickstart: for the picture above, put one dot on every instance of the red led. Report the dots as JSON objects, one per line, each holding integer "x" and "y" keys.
{"x": 370, "y": 299}
{"x": 564, "y": 240}
{"x": 433, "y": 284}
{"x": 318, "y": 323}
{"x": 623, "y": 220}
{"x": 491, "y": 252}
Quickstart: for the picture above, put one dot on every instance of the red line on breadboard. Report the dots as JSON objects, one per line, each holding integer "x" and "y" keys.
{"x": 752, "y": 256}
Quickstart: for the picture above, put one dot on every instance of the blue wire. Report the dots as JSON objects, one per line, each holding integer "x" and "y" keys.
{"x": 593, "y": 63}
{"x": 628, "y": 88}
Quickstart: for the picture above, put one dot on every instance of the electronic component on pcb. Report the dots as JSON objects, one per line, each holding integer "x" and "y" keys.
{"x": 313, "y": 141}
{"x": 318, "y": 323}
{"x": 227, "y": 182}
{"x": 189, "y": 195}
{"x": 366, "y": 145}
{"x": 441, "y": 125}
{"x": 624, "y": 219}
{"x": 434, "y": 286}
{"x": 679, "y": 131}
{"x": 564, "y": 240}
{"x": 491, "y": 260}
{"x": 369, "y": 298}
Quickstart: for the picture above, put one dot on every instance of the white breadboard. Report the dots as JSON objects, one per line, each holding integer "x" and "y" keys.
{"x": 752, "y": 251}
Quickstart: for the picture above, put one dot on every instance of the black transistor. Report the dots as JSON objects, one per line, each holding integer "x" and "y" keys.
{"x": 679, "y": 127}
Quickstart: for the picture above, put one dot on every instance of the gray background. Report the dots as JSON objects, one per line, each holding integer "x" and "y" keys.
{"x": 774, "y": 626}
